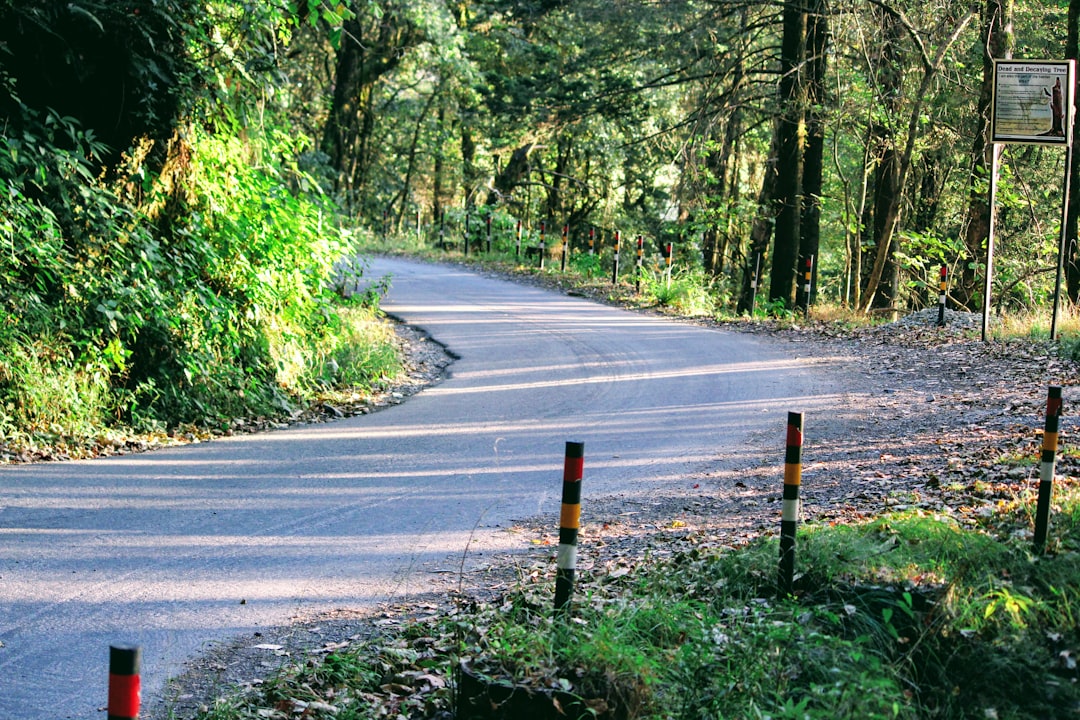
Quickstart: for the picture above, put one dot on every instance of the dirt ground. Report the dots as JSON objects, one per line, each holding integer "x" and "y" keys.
{"x": 934, "y": 418}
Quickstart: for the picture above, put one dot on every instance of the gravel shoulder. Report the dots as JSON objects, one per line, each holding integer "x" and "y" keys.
{"x": 925, "y": 419}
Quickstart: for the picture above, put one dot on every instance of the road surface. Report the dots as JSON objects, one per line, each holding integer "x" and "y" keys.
{"x": 178, "y": 549}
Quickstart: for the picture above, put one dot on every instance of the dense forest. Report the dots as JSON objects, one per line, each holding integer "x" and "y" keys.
{"x": 184, "y": 182}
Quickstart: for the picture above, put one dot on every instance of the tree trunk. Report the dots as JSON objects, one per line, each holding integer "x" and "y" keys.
{"x": 511, "y": 175}
{"x": 1072, "y": 267}
{"x": 891, "y": 215}
{"x": 817, "y": 31}
{"x": 370, "y": 48}
{"x": 790, "y": 158}
{"x": 762, "y": 228}
{"x": 997, "y": 38}
{"x": 886, "y": 185}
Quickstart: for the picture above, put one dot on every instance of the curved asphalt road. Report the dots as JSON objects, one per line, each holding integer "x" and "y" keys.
{"x": 161, "y": 549}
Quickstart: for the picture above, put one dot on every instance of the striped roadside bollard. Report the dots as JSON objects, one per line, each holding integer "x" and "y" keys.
{"x": 517, "y": 240}
{"x": 468, "y": 217}
{"x": 565, "y": 247}
{"x": 543, "y": 251}
{"x": 1047, "y": 466}
{"x": 125, "y": 691}
{"x": 639, "y": 268}
{"x": 754, "y": 282}
{"x": 569, "y": 522}
{"x": 489, "y": 233}
{"x": 790, "y": 516}
{"x": 667, "y": 260}
{"x": 592, "y": 241}
{"x": 807, "y": 284}
{"x": 615, "y": 264}
{"x": 941, "y": 296}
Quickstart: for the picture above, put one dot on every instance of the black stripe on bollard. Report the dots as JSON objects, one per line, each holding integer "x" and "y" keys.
{"x": 790, "y": 513}
{"x": 569, "y": 522}
{"x": 1046, "y": 469}
{"x": 941, "y": 296}
{"x": 125, "y": 690}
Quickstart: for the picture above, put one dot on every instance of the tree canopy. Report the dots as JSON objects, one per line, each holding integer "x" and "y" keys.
{"x": 180, "y": 179}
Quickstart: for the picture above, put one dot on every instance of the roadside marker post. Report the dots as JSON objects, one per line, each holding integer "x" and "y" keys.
{"x": 790, "y": 513}
{"x": 468, "y": 229}
{"x": 592, "y": 241}
{"x": 543, "y": 251}
{"x": 754, "y": 282}
{"x": 640, "y": 263}
{"x": 517, "y": 241}
{"x": 941, "y": 296}
{"x": 565, "y": 247}
{"x": 125, "y": 691}
{"x": 1047, "y": 466}
{"x": 808, "y": 285}
{"x": 442, "y": 230}
{"x": 489, "y": 233}
{"x": 569, "y": 522}
{"x": 615, "y": 264}
{"x": 667, "y": 260}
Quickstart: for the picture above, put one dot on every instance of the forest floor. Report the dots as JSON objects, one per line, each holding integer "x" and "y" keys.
{"x": 934, "y": 418}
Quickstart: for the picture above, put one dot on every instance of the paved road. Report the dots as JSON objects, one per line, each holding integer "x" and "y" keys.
{"x": 177, "y": 549}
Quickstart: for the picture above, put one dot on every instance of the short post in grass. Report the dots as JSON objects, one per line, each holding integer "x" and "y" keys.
{"x": 124, "y": 682}
{"x": 468, "y": 218}
{"x": 565, "y": 247}
{"x": 569, "y": 522}
{"x": 419, "y": 226}
{"x": 517, "y": 241}
{"x": 790, "y": 513}
{"x": 754, "y": 282}
{"x": 442, "y": 230}
{"x": 615, "y": 262}
{"x": 941, "y": 296}
{"x": 543, "y": 251}
{"x": 489, "y": 233}
{"x": 1046, "y": 470}
{"x": 592, "y": 241}
{"x": 807, "y": 285}
{"x": 667, "y": 261}
{"x": 639, "y": 267}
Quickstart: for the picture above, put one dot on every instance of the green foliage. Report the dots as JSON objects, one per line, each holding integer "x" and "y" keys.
{"x": 688, "y": 291}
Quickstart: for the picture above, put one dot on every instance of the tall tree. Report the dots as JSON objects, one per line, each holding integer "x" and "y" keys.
{"x": 813, "y": 166}
{"x": 791, "y": 135}
{"x": 373, "y": 44}
{"x": 997, "y": 39}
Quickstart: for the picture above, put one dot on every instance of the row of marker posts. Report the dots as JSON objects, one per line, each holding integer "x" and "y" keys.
{"x": 125, "y": 660}
{"x": 565, "y": 248}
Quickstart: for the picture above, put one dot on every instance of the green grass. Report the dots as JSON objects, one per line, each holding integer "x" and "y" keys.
{"x": 911, "y": 615}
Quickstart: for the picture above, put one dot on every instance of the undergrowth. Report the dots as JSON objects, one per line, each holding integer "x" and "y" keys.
{"x": 911, "y": 615}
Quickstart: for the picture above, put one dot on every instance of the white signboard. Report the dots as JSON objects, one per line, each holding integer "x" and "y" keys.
{"x": 1032, "y": 101}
